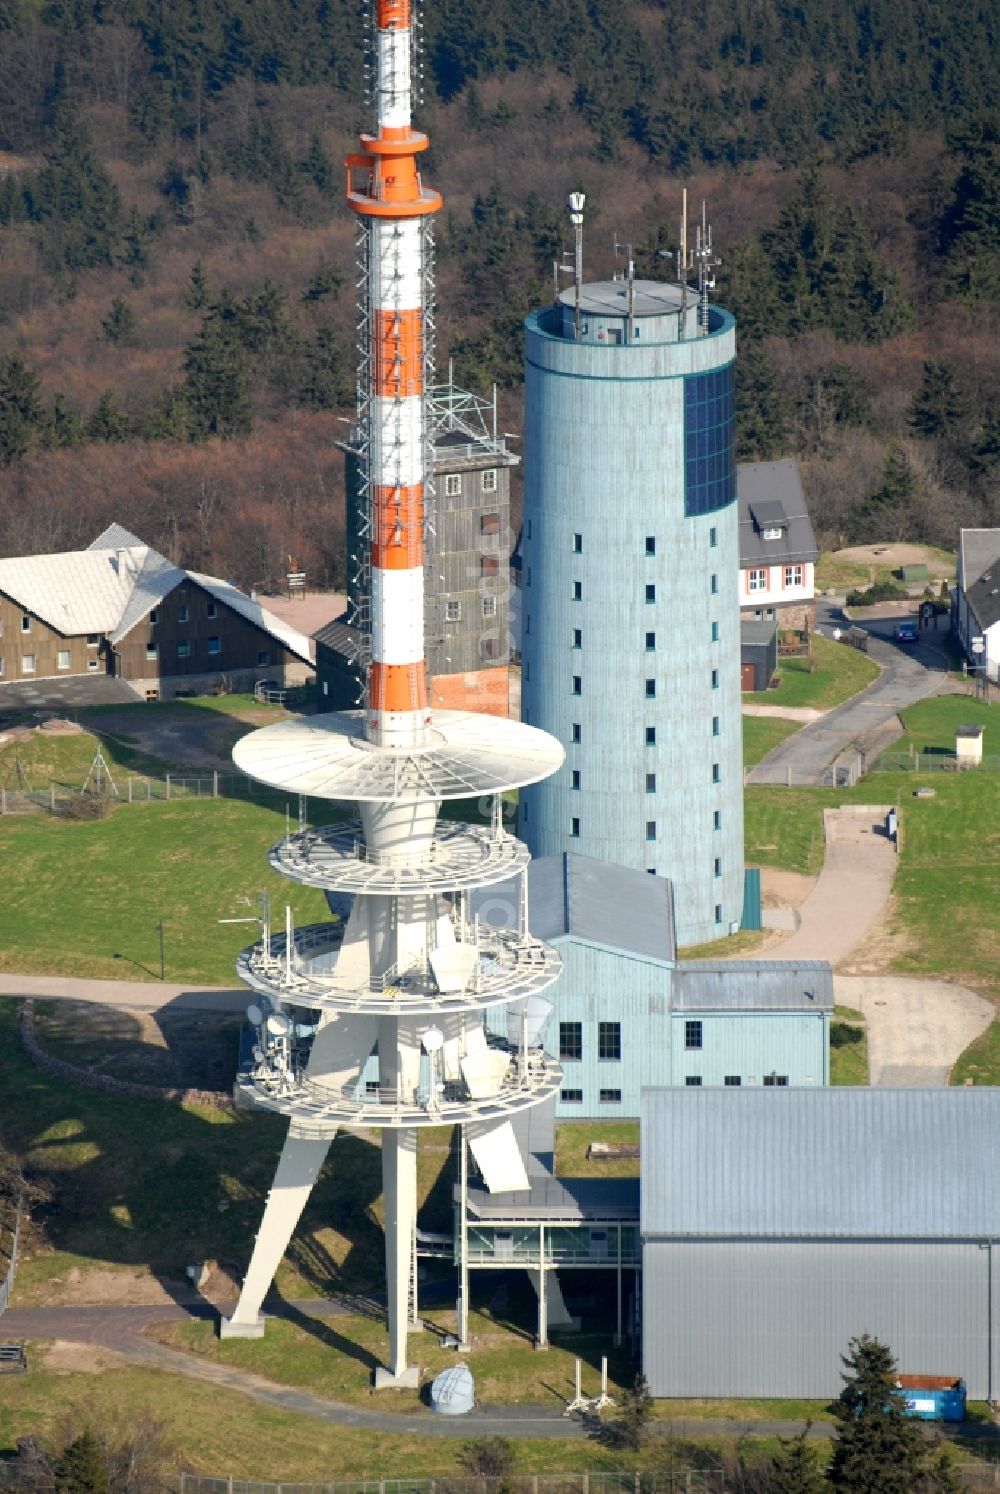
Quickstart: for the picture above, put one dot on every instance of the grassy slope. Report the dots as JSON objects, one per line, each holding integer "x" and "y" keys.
{"x": 840, "y": 672}
{"x": 930, "y": 724}
{"x": 86, "y": 890}
{"x": 761, "y": 734}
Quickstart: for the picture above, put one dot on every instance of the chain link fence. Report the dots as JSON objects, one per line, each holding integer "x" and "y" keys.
{"x": 70, "y": 802}
{"x": 678, "y": 1481}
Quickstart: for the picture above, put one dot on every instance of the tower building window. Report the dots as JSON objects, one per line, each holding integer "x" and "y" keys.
{"x": 574, "y": 829}
{"x": 650, "y": 736}
{"x": 709, "y": 441}
{"x": 717, "y": 867}
{"x": 650, "y": 593}
{"x": 571, "y": 1041}
{"x": 490, "y": 480}
{"x": 577, "y": 684}
{"x": 575, "y": 734}
{"x": 577, "y": 637}
{"x": 650, "y": 689}
{"x": 650, "y": 783}
{"x": 453, "y": 612}
{"x": 718, "y": 912}
{"x": 578, "y": 591}
{"x": 715, "y": 726}
{"x": 715, "y": 632}
{"x": 716, "y": 773}
{"x": 650, "y": 829}
{"x": 571, "y": 1096}
{"x": 714, "y": 583}
{"x": 650, "y": 544}
{"x": 609, "y": 1042}
{"x": 732, "y": 1081}
{"x": 717, "y": 820}
{"x": 578, "y": 544}
{"x": 715, "y": 679}
{"x": 692, "y": 1034}
{"x": 575, "y": 779}
{"x": 693, "y": 1081}
{"x": 610, "y": 1096}
{"x": 453, "y": 485}
{"x": 650, "y": 643}
{"x": 713, "y": 538}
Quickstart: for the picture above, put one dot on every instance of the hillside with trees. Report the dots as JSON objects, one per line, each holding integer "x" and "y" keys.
{"x": 177, "y": 264}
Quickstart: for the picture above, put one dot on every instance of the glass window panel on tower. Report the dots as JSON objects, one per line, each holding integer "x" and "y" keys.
{"x": 709, "y": 441}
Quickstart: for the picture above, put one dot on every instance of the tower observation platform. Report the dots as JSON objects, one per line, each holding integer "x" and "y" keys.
{"x": 630, "y": 566}
{"x": 399, "y": 981}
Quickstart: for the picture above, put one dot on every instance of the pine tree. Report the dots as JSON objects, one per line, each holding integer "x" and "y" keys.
{"x": 878, "y": 1449}
{"x": 794, "y": 1468}
{"x": 118, "y": 326}
{"x": 109, "y": 421}
{"x": 198, "y": 292}
{"x": 64, "y": 426}
{"x": 941, "y": 409}
{"x": 762, "y": 413}
{"x": 217, "y": 378}
{"x": 82, "y": 1468}
{"x": 21, "y": 415}
{"x": 635, "y": 1407}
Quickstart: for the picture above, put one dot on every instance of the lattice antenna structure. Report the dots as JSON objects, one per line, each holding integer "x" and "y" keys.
{"x": 707, "y": 263}
{"x": 405, "y": 1009}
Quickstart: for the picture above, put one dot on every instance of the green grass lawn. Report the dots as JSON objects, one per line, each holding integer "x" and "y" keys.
{"x": 930, "y": 724}
{"x": 42, "y": 759}
{"x": 84, "y": 890}
{"x": 848, "y": 1047}
{"x": 574, "y": 1137}
{"x": 981, "y": 1060}
{"x": 761, "y": 734}
{"x": 835, "y": 573}
{"x": 218, "y": 1432}
{"x": 834, "y": 674}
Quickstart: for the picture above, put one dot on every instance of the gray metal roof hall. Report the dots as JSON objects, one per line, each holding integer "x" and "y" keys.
{"x": 777, "y": 1224}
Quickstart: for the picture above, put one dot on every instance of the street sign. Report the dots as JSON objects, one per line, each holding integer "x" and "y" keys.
{"x": 978, "y": 645}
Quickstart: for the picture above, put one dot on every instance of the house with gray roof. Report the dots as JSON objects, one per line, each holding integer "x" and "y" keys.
{"x": 776, "y": 1225}
{"x": 628, "y": 1015}
{"x": 121, "y": 609}
{"x": 778, "y": 551}
{"x": 975, "y": 611}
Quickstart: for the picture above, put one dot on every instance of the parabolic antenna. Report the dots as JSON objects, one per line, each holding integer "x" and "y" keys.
{"x": 254, "y": 1015}
{"x": 279, "y": 1025}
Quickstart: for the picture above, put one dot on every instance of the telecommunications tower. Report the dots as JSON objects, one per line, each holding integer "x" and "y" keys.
{"x": 400, "y": 1012}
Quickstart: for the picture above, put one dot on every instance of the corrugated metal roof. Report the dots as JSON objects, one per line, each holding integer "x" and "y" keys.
{"x": 112, "y": 585}
{"x": 593, "y": 900}
{"x": 567, "y": 1200}
{"x": 771, "y": 493}
{"x": 821, "y": 1163}
{"x": 339, "y": 636}
{"x": 978, "y": 551}
{"x": 752, "y": 985}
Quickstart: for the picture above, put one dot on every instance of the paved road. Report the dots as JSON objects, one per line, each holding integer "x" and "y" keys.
{"x": 908, "y": 674}
{"x": 917, "y": 1029}
{"x": 132, "y": 995}
{"x": 852, "y": 889}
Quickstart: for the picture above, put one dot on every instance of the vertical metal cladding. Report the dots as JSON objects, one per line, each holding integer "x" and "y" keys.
{"x": 385, "y": 189}
{"x": 631, "y": 647}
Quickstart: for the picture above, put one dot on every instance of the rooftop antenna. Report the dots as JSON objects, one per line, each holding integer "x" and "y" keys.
{"x": 574, "y": 206}
{"x": 707, "y": 263}
{"x": 626, "y": 249}
{"x": 683, "y": 262}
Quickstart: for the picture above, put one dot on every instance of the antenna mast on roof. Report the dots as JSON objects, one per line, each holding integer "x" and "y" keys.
{"x": 707, "y": 264}
{"x": 574, "y": 205}
{"x": 626, "y": 249}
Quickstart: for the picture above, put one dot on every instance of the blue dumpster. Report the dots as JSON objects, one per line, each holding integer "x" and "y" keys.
{"x": 933, "y": 1397}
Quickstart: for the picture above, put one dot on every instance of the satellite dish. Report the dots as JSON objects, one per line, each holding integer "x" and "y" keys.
{"x": 433, "y": 1040}
{"x": 255, "y": 1015}
{"x": 279, "y": 1025}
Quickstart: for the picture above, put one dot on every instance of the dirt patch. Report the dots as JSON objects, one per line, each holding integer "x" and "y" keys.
{"x": 185, "y": 1050}
{"x": 894, "y": 556}
{"x": 879, "y": 949}
{"x": 784, "y": 889}
{"x": 63, "y": 1358}
{"x": 104, "y": 1288}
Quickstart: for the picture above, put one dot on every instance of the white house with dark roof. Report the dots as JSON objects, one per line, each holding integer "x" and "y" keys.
{"x": 120, "y": 608}
{"x": 976, "y": 600}
{"x": 778, "y": 551}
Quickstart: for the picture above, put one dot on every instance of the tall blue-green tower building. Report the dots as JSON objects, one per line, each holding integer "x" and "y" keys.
{"x": 630, "y": 610}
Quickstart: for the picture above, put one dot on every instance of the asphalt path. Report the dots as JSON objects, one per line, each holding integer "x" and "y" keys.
{"x": 909, "y": 672}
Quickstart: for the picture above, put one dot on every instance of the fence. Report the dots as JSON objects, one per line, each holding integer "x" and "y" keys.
{"x": 8, "y": 1281}
{"x": 677, "y": 1481}
{"x": 931, "y": 762}
{"x": 64, "y": 798}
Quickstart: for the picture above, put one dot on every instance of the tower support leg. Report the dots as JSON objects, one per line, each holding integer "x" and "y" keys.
{"x": 298, "y": 1169}
{"x": 399, "y": 1191}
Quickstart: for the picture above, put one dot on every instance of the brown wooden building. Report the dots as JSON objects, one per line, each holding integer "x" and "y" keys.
{"x": 120, "y": 608}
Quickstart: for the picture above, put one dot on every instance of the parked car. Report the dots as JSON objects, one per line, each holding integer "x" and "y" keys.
{"x": 906, "y": 632}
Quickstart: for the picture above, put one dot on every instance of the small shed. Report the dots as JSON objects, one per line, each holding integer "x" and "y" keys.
{"x": 758, "y": 653}
{"x": 969, "y": 745}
